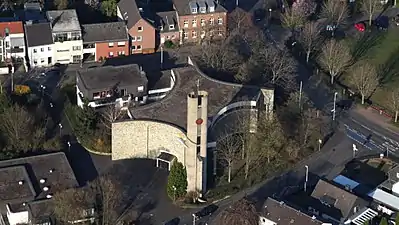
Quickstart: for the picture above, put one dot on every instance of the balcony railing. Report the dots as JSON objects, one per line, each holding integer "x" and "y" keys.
{"x": 88, "y": 46}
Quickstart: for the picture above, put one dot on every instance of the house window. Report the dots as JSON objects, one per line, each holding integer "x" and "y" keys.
{"x": 133, "y": 47}
{"x": 34, "y": 50}
{"x": 193, "y": 10}
{"x": 220, "y": 33}
{"x": 35, "y": 61}
{"x": 140, "y": 29}
{"x": 171, "y": 26}
{"x": 121, "y": 43}
{"x": 194, "y": 34}
{"x": 185, "y": 35}
{"x": 133, "y": 39}
{"x": 49, "y": 48}
{"x": 185, "y": 23}
{"x": 160, "y": 28}
{"x": 173, "y": 37}
{"x": 123, "y": 92}
{"x": 220, "y": 21}
{"x": 167, "y": 37}
{"x": 42, "y": 61}
{"x": 111, "y": 54}
{"x": 202, "y": 34}
{"x": 96, "y": 95}
{"x": 202, "y": 22}
{"x": 138, "y": 47}
{"x": 203, "y": 9}
{"x": 7, "y": 44}
{"x": 212, "y": 21}
{"x": 139, "y": 38}
{"x": 194, "y": 23}
{"x": 42, "y": 49}
{"x": 76, "y": 48}
{"x": 140, "y": 88}
{"x": 111, "y": 44}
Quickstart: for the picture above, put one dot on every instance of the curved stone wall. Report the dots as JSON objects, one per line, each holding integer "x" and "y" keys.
{"x": 146, "y": 139}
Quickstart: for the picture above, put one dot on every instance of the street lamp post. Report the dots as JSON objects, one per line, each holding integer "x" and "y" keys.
{"x": 300, "y": 94}
{"x": 60, "y": 125}
{"x": 335, "y": 101}
{"x": 69, "y": 146}
{"x": 174, "y": 193}
{"x": 270, "y": 14}
{"x": 161, "y": 56}
{"x": 194, "y": 217}
{"x": 51, "y": 105}
{"x": 43, "y": 88}
{"x": 320, "y": 142}
{"x": 306, "y": 177}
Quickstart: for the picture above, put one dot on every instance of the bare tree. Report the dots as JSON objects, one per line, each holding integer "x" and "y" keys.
{"x": 227, "y": 151}
{"x": 270, "y": 137}
{"x": 365, "y": 79}
{"x": 335, "y": 13}
{"x": 370, "y": 7}
{"x": 334, "y": 58}
{"x": 310, "y": 38}
{"x": 292, "y": 20}
{"x": 278, "y": 64}
{"x": 393, "y": 102}
{"x": 70, "y": 205}
{"x": 111, "y": 114}
{"x": 103, "y": 195}
{"x": 239, "y": 22}
{"x": 241, "y": 212}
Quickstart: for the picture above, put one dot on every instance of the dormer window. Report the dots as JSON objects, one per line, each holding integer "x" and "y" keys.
{"x": 7, "y": 32}
{"x": 203, "y": 9}
{"x": 193, "y": 7}
{"x": 211, "y": 5}
{"x": 171, "y": 27}
{"x": 160, "y": 28}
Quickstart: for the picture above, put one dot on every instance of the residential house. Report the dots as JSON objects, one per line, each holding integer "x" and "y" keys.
{"x": 329, "y": 202}
{"x": 40, "y": 45}
{"x": 28, "y": 185}
{"x": 33, "y": 12}
{"x": 105, "y": 40}
{"x": 140, "y": 29}
{"x": 12, "y": 42}
{"x": 168, "y": 26}
{"x": 67, "y": 36}
{"x": 277, "y": 212}
{"x": 199, "y": 19}
{"x": 108, "y": 85}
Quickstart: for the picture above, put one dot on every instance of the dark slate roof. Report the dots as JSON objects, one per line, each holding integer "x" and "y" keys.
{"x": 182, "y": 6}
{"x": 173, "y": 108}
{"x": 109, "y": 76}
{"x": 281, "y": 213}
{"x": 38, "y": 34}
{"x": 11, "y": 189}
{"x": 54, "y": 168}
{"x": 337, "y": 198}
{"x": 104, "y": 32}
{"x": 130, "y": 12}
{"x": 165, "y": 19}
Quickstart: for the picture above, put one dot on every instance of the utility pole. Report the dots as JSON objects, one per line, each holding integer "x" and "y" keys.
{"x": 12, "y": 82}
{"x": 161, "y": 56}
{"x": 194, "y": 217}
{"x": 354, "y": 149}
{"x": 320, "y": 142}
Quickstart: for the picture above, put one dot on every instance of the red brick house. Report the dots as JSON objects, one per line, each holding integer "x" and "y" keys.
{"x": 104, "y": 40}
{"x": 168, "y": 26}
{"x": 142, "y": 31}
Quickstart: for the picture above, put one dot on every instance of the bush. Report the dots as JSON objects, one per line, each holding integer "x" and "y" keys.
{"x": 177, "y": 181}
{"x": 21, "y": 90}
{"x": 169, "y": 44}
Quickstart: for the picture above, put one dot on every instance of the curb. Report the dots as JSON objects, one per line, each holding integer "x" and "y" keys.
{"x": 87, "y": 149}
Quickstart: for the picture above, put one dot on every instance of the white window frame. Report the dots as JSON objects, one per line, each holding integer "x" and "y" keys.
{"x": 171, "y": 26}
{"x": 202, "y": 9}
{"x": 139, "y": 38}
{"x": 41, "y": 49}
{"x": 185, "y": 22}
{"x": 140, "y": 88}
{"x": 203, "y": 22}
{"x": 133, "y": 38}
{"x": 34, "y": 50}
{"x": 121, "y": 43}
{"x": 194, "y": 23}
{"x": 185, "y": 35}
{"x": 220, "y": 21}
{"x": 194, "y": 34}
{"x": 111, "y": 44}
{"x": 212, "y": 21}
{"x": 138, "y": 47}
{"x": 111, "y": 54}
{"x": 194, "y": 10}
{"x": 140, "y": 30}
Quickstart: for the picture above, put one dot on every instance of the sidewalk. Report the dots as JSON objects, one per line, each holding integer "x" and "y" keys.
{"x": 376, "y": 118}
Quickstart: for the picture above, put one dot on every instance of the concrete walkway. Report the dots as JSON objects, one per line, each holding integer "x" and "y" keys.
{"x": 376, "y": 118}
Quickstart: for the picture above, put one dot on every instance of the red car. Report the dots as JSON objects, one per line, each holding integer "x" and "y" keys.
{"x": 360, "y": 27}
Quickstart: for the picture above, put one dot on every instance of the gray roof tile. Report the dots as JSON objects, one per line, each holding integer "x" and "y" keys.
{"x": 104, "y": 32}
{"x": 64, "y": 20}
{"x": 38, "y": 34}
{"x": 130, "y": 12}
{"x": 183, "y": 6}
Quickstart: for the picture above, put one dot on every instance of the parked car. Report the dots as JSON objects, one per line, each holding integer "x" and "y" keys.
{"x": 206, "y": 211}
{"x": 360, "y": 26}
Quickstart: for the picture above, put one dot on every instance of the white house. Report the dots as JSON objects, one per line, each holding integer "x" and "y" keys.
{"x": 67, "y": 36}
{"x": 12, "y": 42}
{"x": 40, "y": 45}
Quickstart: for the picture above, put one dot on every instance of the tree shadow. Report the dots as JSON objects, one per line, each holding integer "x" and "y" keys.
{"x": 363, "y": 44}
{"x": 389, "y": 71}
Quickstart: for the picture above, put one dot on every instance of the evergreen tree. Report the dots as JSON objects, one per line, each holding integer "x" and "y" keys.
{"x": 177, "y": 181}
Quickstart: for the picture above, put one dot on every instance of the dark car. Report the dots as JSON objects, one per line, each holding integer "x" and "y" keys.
{"x": 174, "y": 221}
{"x": 208, "y": 210}
{"x": 345, "y": 104}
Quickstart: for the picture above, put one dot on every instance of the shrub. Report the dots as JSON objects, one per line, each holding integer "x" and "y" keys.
{"x": 177, "y": 181}
{"x": 169, "y": 44}
{"x": 21, "y": 90}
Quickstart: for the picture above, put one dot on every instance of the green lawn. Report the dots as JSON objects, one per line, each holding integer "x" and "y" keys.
{"x": 382, "y": 50}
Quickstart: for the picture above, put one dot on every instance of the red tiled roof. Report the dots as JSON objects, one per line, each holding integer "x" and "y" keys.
{"x": 13, "y": 27}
